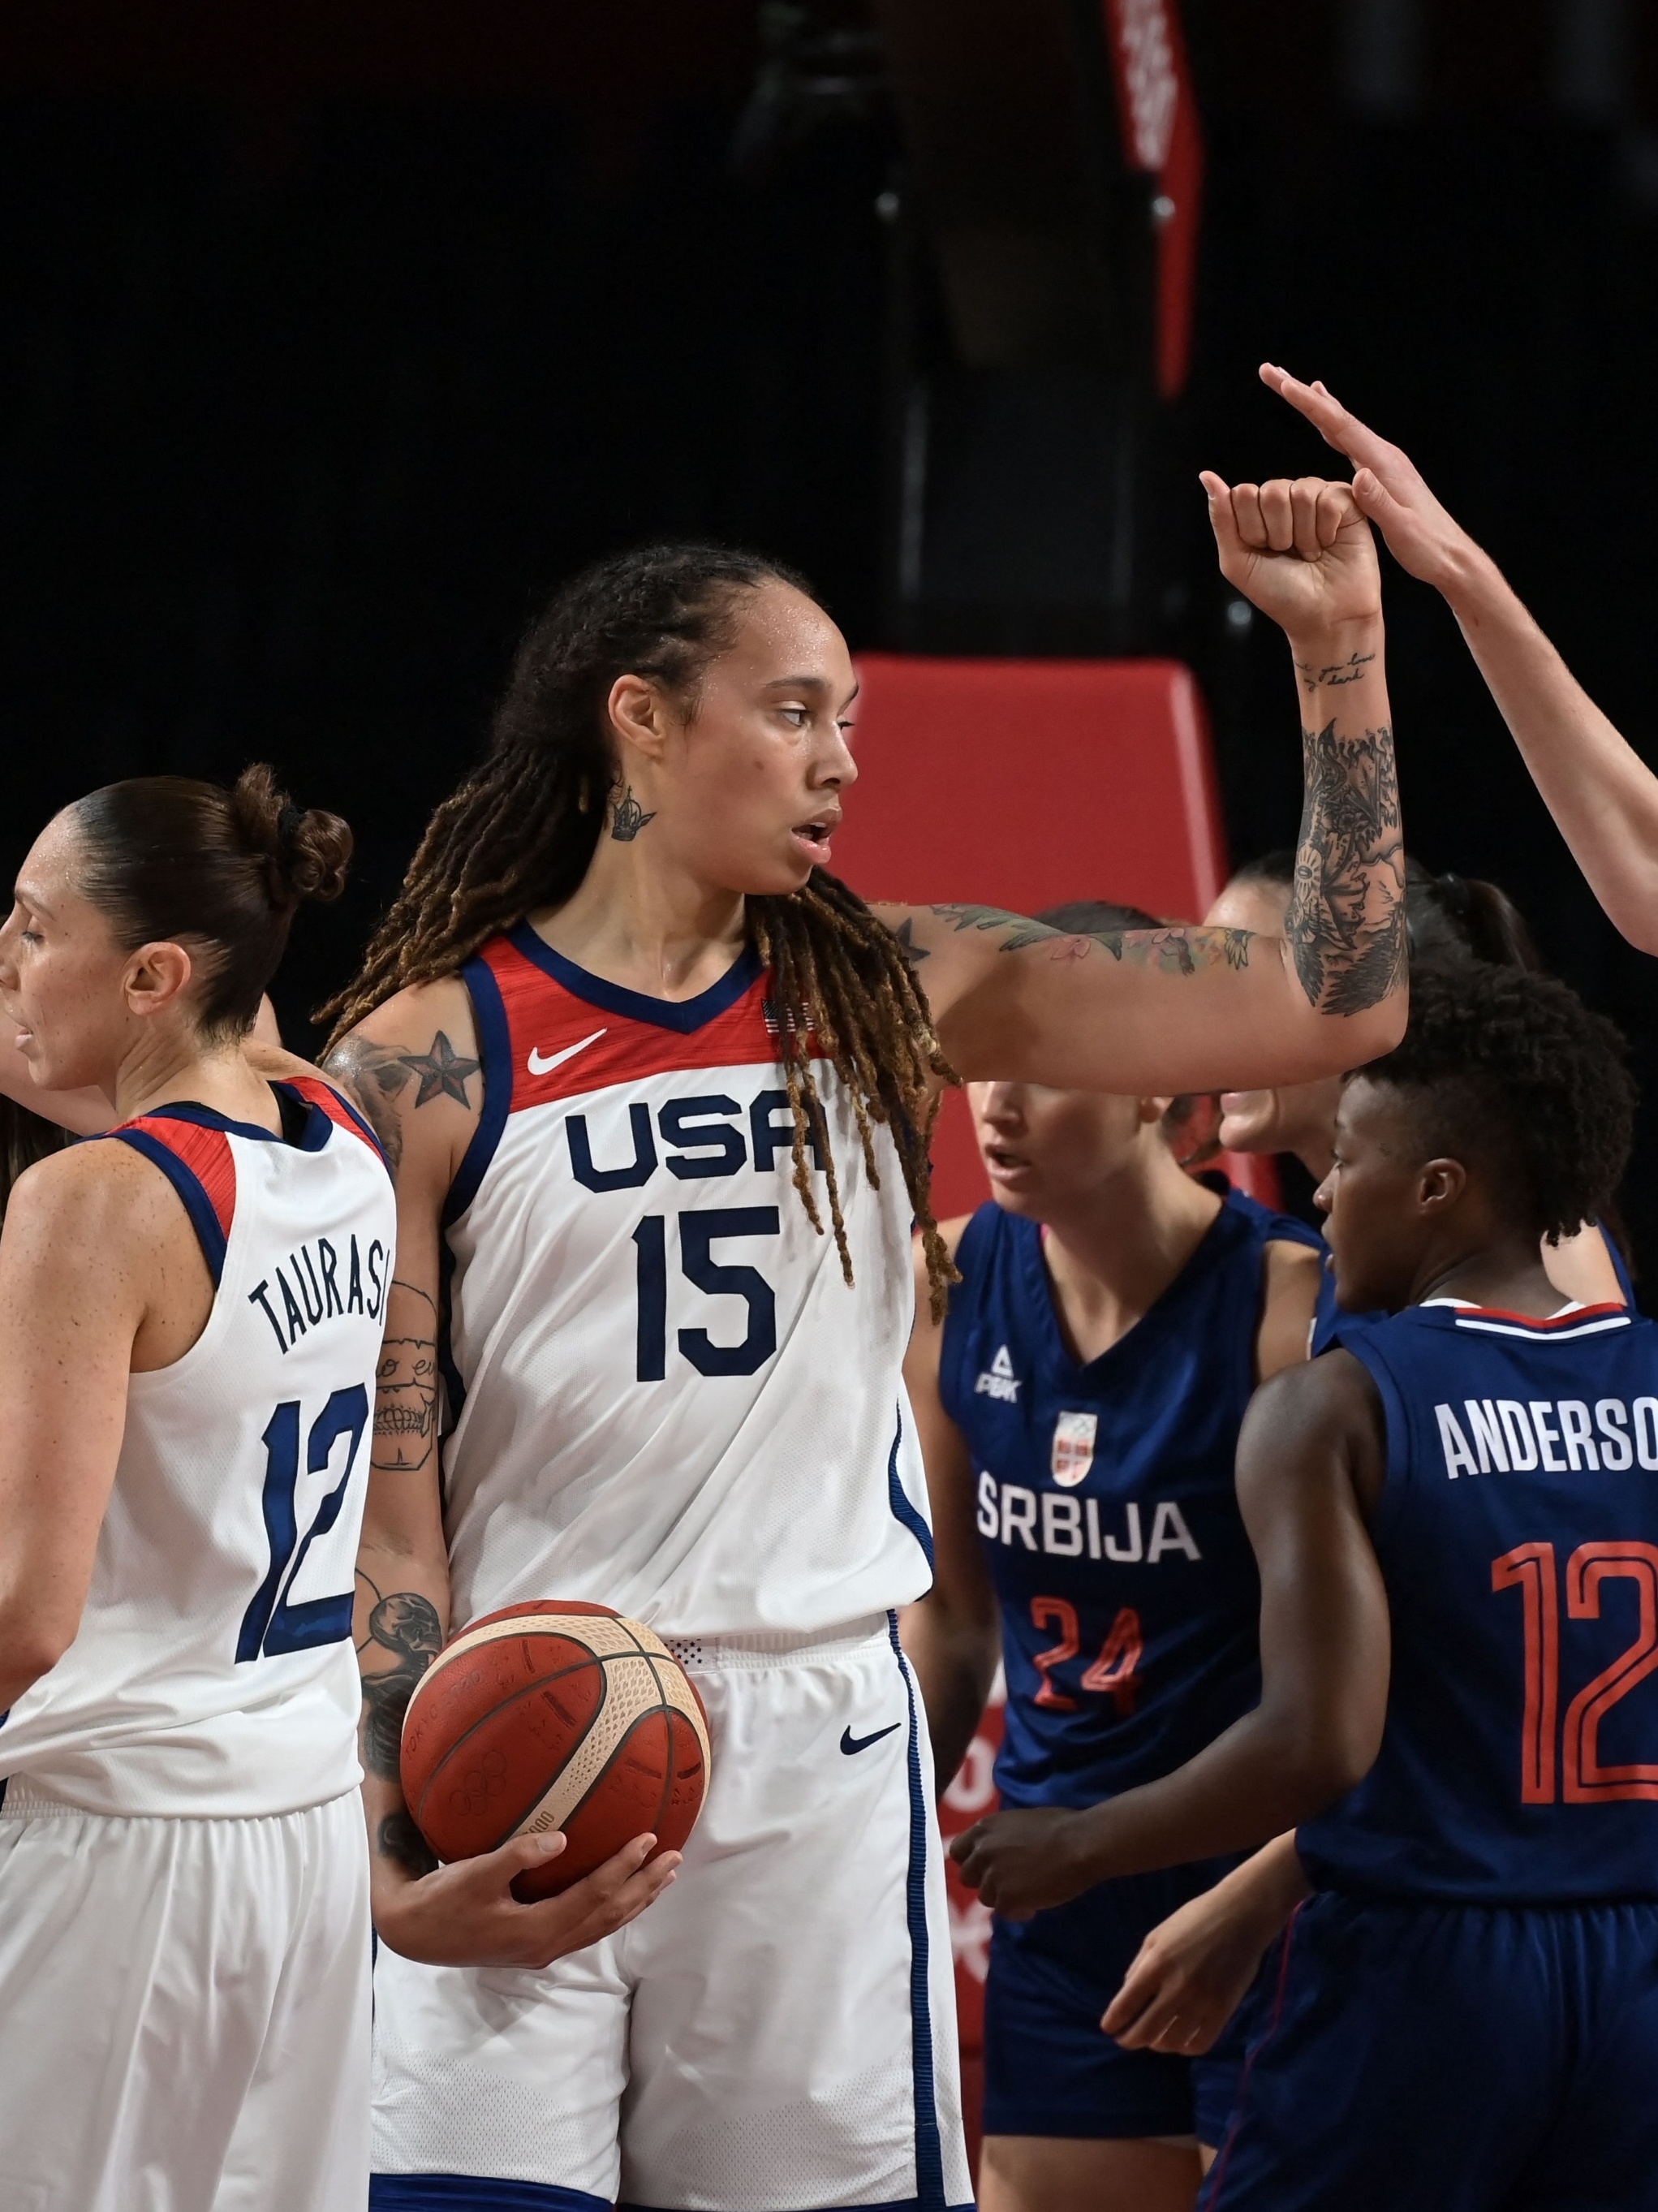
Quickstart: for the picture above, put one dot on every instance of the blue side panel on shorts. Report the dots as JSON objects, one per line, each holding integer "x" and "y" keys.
{"x": 469, "y": 2192}
{"x": 902, "y": 1510}
{"x": 929, "y": 2151}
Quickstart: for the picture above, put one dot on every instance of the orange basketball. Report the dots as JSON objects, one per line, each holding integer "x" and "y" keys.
{"x": 555, "y": 1716}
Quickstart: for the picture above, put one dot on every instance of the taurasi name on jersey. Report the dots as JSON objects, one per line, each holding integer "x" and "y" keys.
{"x": 1555, "y": 1434}
{"x": 320, "y": 1295}
{"x": 1071, "y": 1528}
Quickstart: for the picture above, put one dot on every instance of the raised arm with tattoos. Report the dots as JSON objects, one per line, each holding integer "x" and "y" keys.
{"x": 1014, "y": 1000}
{"x": 1602, "y": 795}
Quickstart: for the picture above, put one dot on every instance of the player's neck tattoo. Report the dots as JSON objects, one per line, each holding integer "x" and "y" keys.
{"x": 628, "y": 817}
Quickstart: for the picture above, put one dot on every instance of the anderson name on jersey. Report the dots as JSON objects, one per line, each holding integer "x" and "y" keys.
{"x": 213, "y": 1673}
{"x": 664, "y": 1396}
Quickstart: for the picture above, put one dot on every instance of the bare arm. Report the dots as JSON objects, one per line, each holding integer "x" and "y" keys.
{"x": 87, "y": 1244}
{"x": 1206, "y": 1009}
{"x": 1192, "y": 1971}
{"x": 1600, "y": 793}
{"x": 1310, "y": 1466}
{"x": 413, "y": 1067}
{"x": 952, "y": 1636}
{"x": 1289, "y": 1303}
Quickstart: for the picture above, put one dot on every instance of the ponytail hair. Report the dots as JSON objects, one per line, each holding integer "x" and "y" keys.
{"x": 168, "y": 857}
{"x": 1448, "y": 918}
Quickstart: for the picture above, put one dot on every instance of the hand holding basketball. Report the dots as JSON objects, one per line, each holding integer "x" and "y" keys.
{"x": 1425, "y": 541}
{"x": 1300, "y": 551}
{"x": 466, "y": 1915}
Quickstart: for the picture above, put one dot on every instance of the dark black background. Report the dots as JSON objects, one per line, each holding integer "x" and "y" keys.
{"x": 331, "y": 338}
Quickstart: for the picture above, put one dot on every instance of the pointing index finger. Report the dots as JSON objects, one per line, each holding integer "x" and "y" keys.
{"x": 1335, "y": 423}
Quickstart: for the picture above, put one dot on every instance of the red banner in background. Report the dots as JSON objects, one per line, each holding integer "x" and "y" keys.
{"x": 1159, "y": 113}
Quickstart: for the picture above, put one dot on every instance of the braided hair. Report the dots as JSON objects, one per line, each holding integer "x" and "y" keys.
{"x": 520, "y": 830}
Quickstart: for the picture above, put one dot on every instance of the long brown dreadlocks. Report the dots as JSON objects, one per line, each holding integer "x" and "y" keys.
{"x": 520, "y": 830}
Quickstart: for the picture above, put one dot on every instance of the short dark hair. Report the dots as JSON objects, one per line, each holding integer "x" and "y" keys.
{"x": 1512, "y": 1068}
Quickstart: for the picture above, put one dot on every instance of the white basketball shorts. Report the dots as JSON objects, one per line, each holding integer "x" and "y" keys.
{"x": 777, "y": 2034}
{"x": 183, "y": 2011}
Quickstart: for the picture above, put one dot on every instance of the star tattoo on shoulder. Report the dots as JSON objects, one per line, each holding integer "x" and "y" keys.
{"x": 441, "y": 1071}
{"x": 913, "y": 953}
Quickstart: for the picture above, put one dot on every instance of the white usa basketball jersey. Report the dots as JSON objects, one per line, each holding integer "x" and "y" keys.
{"x": 213, "y": 1673}
{"x": 664, "y": 1397}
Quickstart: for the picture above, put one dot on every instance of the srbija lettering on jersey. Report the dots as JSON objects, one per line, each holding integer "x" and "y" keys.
{"x": 1517, "y": 1534}
{"x": 213, "y": 1673}
{"x": 665, "y": 1397}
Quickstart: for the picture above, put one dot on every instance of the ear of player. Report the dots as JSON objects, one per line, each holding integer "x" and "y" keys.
{"x": 555, "y": 1716}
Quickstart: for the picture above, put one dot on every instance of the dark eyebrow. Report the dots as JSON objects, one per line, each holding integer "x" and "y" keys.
{"x": 799, "y": 684}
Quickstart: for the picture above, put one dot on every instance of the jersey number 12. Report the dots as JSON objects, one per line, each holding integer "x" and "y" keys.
{"x": 273, "y": 1623}
{"x": 1530, "y": 1568}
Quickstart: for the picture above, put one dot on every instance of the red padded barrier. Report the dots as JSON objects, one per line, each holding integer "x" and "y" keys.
{"x": 1022, "y": 783}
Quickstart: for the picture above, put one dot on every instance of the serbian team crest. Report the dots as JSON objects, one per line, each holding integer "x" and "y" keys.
{"x": 1073, "y": 1447}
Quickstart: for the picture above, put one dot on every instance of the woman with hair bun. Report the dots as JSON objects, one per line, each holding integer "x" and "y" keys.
{"x": 190, "y": 1315}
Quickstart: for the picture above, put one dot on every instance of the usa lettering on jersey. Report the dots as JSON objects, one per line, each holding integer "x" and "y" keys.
{"x": 1072, "y": 1527}
{"x": 1560, "y": 1435}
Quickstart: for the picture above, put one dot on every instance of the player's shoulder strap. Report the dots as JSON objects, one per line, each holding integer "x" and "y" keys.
{"x": 192, "y": 1149}
{"x": 337, "y": 1110}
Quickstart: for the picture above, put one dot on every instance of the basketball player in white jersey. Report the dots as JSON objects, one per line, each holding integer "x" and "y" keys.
{"x": 656, "y": 1088}
{"x": 190, "y": 1315}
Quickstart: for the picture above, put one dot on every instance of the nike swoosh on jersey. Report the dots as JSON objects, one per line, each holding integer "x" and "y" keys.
{"x": 537, "y": 1065}
{"x": 851, "y": 1744}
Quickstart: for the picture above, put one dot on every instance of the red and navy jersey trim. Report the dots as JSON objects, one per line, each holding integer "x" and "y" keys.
{"x": 686, "y": 1015}
{"x": 195, "y": 1158}
{"x": 1583, "y": 1321}
{"x": 339, "y": 1110}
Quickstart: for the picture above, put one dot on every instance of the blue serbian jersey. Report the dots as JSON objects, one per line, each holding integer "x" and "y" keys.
{"x": 665, "y": 1397}
{"x": 1129, "y": 1592}
{"x": 213, "y": 1673}
{"x": 1517, "y": 1532}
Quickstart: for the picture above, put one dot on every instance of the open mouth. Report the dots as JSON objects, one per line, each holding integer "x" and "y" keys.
{"x": 816, "y": 834}
{"x": 1004, "y": 1163}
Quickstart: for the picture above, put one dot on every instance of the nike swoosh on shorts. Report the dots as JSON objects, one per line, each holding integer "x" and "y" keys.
{"x": 851, "y": 1744}
{"x": 537, "y": 1065}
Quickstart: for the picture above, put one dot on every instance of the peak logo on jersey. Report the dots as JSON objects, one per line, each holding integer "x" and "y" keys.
{"x": 1073, "y": 1448}
{"x": 1555, "y": 1434}
{"x": 544, "y": 1064}
{"x": 998, "y": 1381}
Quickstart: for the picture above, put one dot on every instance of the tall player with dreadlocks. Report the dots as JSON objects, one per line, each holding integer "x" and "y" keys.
{"x": 619, "y": 1009}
